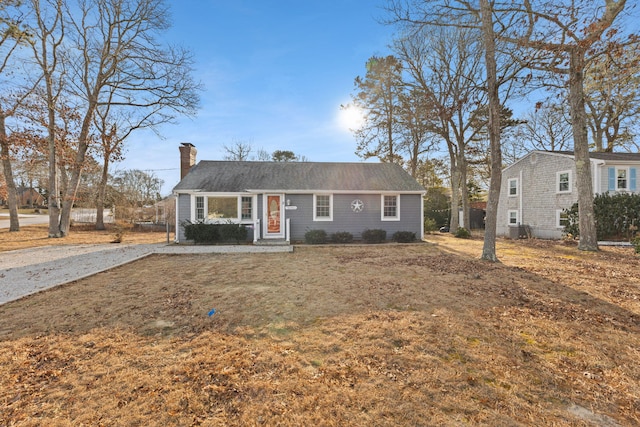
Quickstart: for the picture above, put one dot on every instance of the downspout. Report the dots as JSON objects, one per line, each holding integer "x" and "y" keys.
{"x": 422, "y": 216}
{"x": 520, "y": 210}
{"x": 177, "y": 230}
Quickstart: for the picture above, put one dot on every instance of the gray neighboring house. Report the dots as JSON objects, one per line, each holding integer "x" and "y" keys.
{"x": 537, "y": 188}
{"x": 284, "y": 200}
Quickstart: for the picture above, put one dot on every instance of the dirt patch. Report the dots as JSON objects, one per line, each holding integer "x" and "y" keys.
{"x": 421, "y": 334}
{"x": 37, "y": 235}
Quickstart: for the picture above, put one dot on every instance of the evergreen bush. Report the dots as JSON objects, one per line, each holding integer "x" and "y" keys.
{"x": 403, "y": 236}
{"x": 315, "y": 237}
{"x": 617, "y": 216}
{"x": 462, "y": 233}
{"x": 374, "y": 236}
{"x": 342, "y": 237}
{"x": 201, "y": 232}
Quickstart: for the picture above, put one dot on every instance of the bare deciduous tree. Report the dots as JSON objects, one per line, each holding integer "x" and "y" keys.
{"x": 11, "y": 36}
{"x": 116, "y": 59}
{"x": 446, "y": 65}
{"x": 562, "y": 38}
{"x": 612, "y": 96}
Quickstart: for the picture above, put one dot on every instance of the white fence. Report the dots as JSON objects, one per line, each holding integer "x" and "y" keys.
{"x": 84, "y": 215}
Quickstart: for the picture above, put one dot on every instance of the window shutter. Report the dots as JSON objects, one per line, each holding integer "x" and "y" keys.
{"x": 612, "y": 179}
{"x": 632, "y": 179}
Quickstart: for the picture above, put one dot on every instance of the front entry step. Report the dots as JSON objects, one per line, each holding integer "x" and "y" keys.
{"x": 272, "y": 242}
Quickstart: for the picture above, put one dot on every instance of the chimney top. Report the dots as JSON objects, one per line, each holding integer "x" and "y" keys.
{"x": 187, "y": 158}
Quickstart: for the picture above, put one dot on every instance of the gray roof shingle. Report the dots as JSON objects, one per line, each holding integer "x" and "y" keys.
{"x": 613, "y": 157}
{"x": 235, "y": 176}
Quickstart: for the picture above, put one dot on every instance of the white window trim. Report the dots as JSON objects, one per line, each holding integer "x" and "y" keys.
{"x": 558, "y": 191}
{"x": 509, "y": 187}
{"x": 194, "y": 208}
{"x": 390, "y": 218}
{"x": 558, "y": 216}
{"x": 322, "y": 218}
{"x": 254, "y": 203}
{"x": 237, "y": 220}
{"x": 509, "y": 212}
{"x": 627, "y": 178}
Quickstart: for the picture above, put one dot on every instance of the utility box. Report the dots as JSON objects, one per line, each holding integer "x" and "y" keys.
{"x": 518, "y": 232}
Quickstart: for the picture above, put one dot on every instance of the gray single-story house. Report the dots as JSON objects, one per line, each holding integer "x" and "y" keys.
{"x": 537, "y": 189}
{"x": 284, "y": 200}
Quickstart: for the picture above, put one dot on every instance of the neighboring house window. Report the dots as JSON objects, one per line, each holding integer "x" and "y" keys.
{"x": 513, "y": 187}
{"x": 513, "y": 217}
{"x": 563, "y": 182}
{"x": 199, "y": 208}
{"x": 562, "y": 218}
{"x": 247, "y": 207}
{"x": 322, "y": 207}
{"x": 390, "y": 208}
{"x": 622, "y": 179}
{"x": 222, "y": 207}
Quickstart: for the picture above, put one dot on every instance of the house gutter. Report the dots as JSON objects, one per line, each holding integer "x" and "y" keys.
{"x": 597, "y": 175}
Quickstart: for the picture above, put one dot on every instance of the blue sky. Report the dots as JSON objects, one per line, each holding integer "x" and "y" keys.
{"x": 274, "y": 74}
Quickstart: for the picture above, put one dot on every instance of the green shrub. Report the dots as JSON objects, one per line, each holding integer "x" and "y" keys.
{"x": 315, "y": 237}
{"x": 462, "y": 233}
{"x": 403, "y": 236}
{"x": 232, "y": 232}
{"x": 374, "y": 236}
{"x": 617, "y": 216}
{"x": 201, "y": 232}
{"x": 430, "y": 225}
{"x": 342, "y": 237}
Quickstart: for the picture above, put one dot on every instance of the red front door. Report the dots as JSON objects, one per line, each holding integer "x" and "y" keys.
{"x": 273, "y": 216}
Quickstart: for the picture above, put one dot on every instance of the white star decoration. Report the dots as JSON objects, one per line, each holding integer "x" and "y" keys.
{"x": 357, "y": 205}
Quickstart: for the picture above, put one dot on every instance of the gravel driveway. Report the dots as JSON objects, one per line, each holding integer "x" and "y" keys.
{"x": 27, "y": 271}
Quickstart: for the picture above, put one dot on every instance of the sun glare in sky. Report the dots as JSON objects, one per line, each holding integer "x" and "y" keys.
{"x": 351, "y": 118}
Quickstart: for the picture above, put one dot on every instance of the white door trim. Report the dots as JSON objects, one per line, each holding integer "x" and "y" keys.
{"x": 273, "y": 220}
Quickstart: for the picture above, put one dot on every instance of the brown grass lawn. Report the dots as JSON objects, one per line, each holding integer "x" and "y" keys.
{"x": 377, "y": 335}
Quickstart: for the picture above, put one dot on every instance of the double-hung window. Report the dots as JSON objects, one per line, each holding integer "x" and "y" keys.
{"x": 623, "y": 179}
{"x": 513, "y": 217}
{"x": 199, "y": 208}
{"x": 563, "y": 182}
{"x": 246, "y": 207}
{"x": 390, "y": 207}
{"x": 323, "y": 207}
{"x": 622, "y": 175}
{"x": 562, "y": 218}
{"x": 513, "y": 186}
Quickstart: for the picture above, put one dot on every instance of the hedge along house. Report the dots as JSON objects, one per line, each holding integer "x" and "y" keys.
{"x": 284, "y": 200}
{"x": 537, "y": 189}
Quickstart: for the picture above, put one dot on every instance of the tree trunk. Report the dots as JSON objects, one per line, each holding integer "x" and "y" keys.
{"x": 76, "y": 170}
{"x": 454, "y": 221}
{"x": 464, "y": 190}
{"x": 12, "y": 194}
{"x": 53, "y": 202}
{"x": 489, "y": 246}
{"x": 586, "y": 217}
{"x": 102, "y": 190}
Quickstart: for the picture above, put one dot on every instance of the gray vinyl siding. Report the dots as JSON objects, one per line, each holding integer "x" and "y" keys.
{"x": 344, "y": 219}
{"x": 184, "y": 213}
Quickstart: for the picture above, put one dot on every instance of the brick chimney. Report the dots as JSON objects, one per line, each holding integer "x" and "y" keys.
{"x": 187, "y": 158}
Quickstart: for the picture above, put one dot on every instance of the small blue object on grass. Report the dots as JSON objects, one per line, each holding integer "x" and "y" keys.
{"x": 212, "y": 312}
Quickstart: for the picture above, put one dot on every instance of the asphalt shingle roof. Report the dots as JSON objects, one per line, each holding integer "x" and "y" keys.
{"x": 234, "y": 176}
{"x": 621, "y": 157}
